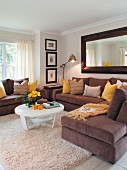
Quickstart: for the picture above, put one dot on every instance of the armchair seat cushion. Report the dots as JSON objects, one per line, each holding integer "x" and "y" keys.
{"x": 8, "y": 100}
{"x": 78, "y": 99}
{"x": 99, "y": 127}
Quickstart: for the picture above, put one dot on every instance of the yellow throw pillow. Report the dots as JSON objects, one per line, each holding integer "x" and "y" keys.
{"x": 66, "y": 86}
{"x": 32, "y": 86}
{"x": 2, "y": 91}
{"x": 108, "y": 91}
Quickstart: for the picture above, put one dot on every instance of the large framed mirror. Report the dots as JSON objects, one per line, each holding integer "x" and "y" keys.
{"x": 105, "y": 52}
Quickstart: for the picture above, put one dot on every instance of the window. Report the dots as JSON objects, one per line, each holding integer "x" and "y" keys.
{"x": 8, "y": 56}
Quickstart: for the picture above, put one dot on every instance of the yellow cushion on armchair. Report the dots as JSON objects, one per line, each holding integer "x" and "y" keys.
{"x": 2, "y": 91}
{"x": 32, "y": 86}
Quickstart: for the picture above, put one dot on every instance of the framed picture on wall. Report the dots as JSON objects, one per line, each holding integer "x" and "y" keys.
{"x": 51, "y": 59}
{"x": 50, "y": 44}
{"x": 51, "y": 75}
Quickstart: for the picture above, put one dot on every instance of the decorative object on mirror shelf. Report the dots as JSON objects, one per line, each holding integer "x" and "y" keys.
{"x": 51, "y": 75}
{"x": 71, "y": 59}
{"x": 30, "y": 98}
{"x": 51, "y": 59}
{"x": 107, "y": 64}
{"x": 50, "y": 44}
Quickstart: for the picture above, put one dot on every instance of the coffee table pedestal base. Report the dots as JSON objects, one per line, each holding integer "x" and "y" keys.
{"x": 27, "y": 122}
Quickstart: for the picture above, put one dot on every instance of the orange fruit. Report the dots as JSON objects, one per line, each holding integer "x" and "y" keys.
{"x": 40, "y": 107}
{"x": 34, "y": 107}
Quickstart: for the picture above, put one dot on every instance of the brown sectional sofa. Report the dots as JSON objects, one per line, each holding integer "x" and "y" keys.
{"x": 104, "y": 135}
{"x": 8, "y": 103}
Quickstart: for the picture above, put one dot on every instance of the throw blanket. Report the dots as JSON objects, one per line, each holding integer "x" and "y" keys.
{"x": 88, "y": 110}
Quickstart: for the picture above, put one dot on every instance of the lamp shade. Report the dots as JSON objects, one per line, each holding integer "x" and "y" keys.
{"x": 72, "y": 58}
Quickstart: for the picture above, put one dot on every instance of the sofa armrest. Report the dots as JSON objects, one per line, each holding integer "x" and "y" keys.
{"x": 56, "y": 91}
{"x": 122, "y": 116}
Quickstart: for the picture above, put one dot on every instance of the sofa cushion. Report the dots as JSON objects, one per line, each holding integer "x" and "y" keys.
{"x": 78, "y": 99}
{"x": 6, "y": 86}
{"x": 8, "y": 100}
{"x": 109, "y": 91}
{"x": 114, "y": 80}
{"x": 98, "y": 82}
{"x": 85, "y": 80}
{"x": 11, "y": 86}
{"x": 92, "y": 91}
{"x": 122, "y": 116}
{"x": 121, "y": 84}
{"x": 76, "y": 87}
{"x": 2, "y": 90}
{"x": 21, "y": 88}
{"x": 32, "y": 86}
{"x": 120, "y": 95}
{"x": 66, "y": 87}
{"x": 20, "y": 80}
{"x": 99, "y": 127}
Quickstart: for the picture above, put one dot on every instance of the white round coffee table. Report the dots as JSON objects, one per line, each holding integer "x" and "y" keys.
{"x": 46, "y": 114}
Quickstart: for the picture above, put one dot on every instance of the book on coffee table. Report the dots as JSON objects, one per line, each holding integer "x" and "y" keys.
{"x": 50, "y": 105}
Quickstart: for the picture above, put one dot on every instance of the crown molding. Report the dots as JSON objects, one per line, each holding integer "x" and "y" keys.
{"x": 95, "y": 24}
{"x": 46, "y": 32}
{"x": 16, "y": 31}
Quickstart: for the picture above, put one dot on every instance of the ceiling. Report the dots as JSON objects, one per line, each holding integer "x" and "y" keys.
{"x": 58, "y": 16}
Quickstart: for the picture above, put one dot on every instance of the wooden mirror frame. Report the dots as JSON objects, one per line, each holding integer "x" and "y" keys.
{"x": 98, "y": 36}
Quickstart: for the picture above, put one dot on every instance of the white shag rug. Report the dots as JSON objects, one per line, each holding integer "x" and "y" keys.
{"x": 40, "y": 148}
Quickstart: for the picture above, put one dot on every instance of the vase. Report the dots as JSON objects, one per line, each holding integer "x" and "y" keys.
{"x": 31, "y": 101}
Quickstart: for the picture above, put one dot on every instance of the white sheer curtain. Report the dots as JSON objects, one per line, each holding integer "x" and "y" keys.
{"x": 122, "y": 56}
{"x": 25, "y": 59}
{"x": 90, "y": 57}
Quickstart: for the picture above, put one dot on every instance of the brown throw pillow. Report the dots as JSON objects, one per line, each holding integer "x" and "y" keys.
{"x": 76, "y": 87}
{"x": 21, "y": 88}
{"x": 120, "y": 95}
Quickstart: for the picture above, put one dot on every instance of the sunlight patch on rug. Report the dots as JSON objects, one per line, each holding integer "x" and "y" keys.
{"x": 41, "y": 148}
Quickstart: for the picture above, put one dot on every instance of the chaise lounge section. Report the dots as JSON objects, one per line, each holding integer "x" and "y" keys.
{"x": 103, "y": 135}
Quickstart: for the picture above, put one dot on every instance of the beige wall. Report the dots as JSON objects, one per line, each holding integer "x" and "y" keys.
{"x": 72, "y": 44}
{"x": 37, "y": 55}
{"x": 40, "y": 55}
{"x": 66, "y": 45}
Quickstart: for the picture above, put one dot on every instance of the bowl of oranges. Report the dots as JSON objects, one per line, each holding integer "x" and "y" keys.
{"x": 37, "y": 107}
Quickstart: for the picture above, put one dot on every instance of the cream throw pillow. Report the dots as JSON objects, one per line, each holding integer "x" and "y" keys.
{"x": 76, "y": 87}
{"x": 21, "y": 88}
{"x": 2, "y": 91}
{"x": 121, "y": 84}
{"x": 92, "y": 91}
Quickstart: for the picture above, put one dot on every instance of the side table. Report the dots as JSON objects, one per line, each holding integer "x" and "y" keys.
{"x": 47, "y": 91}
